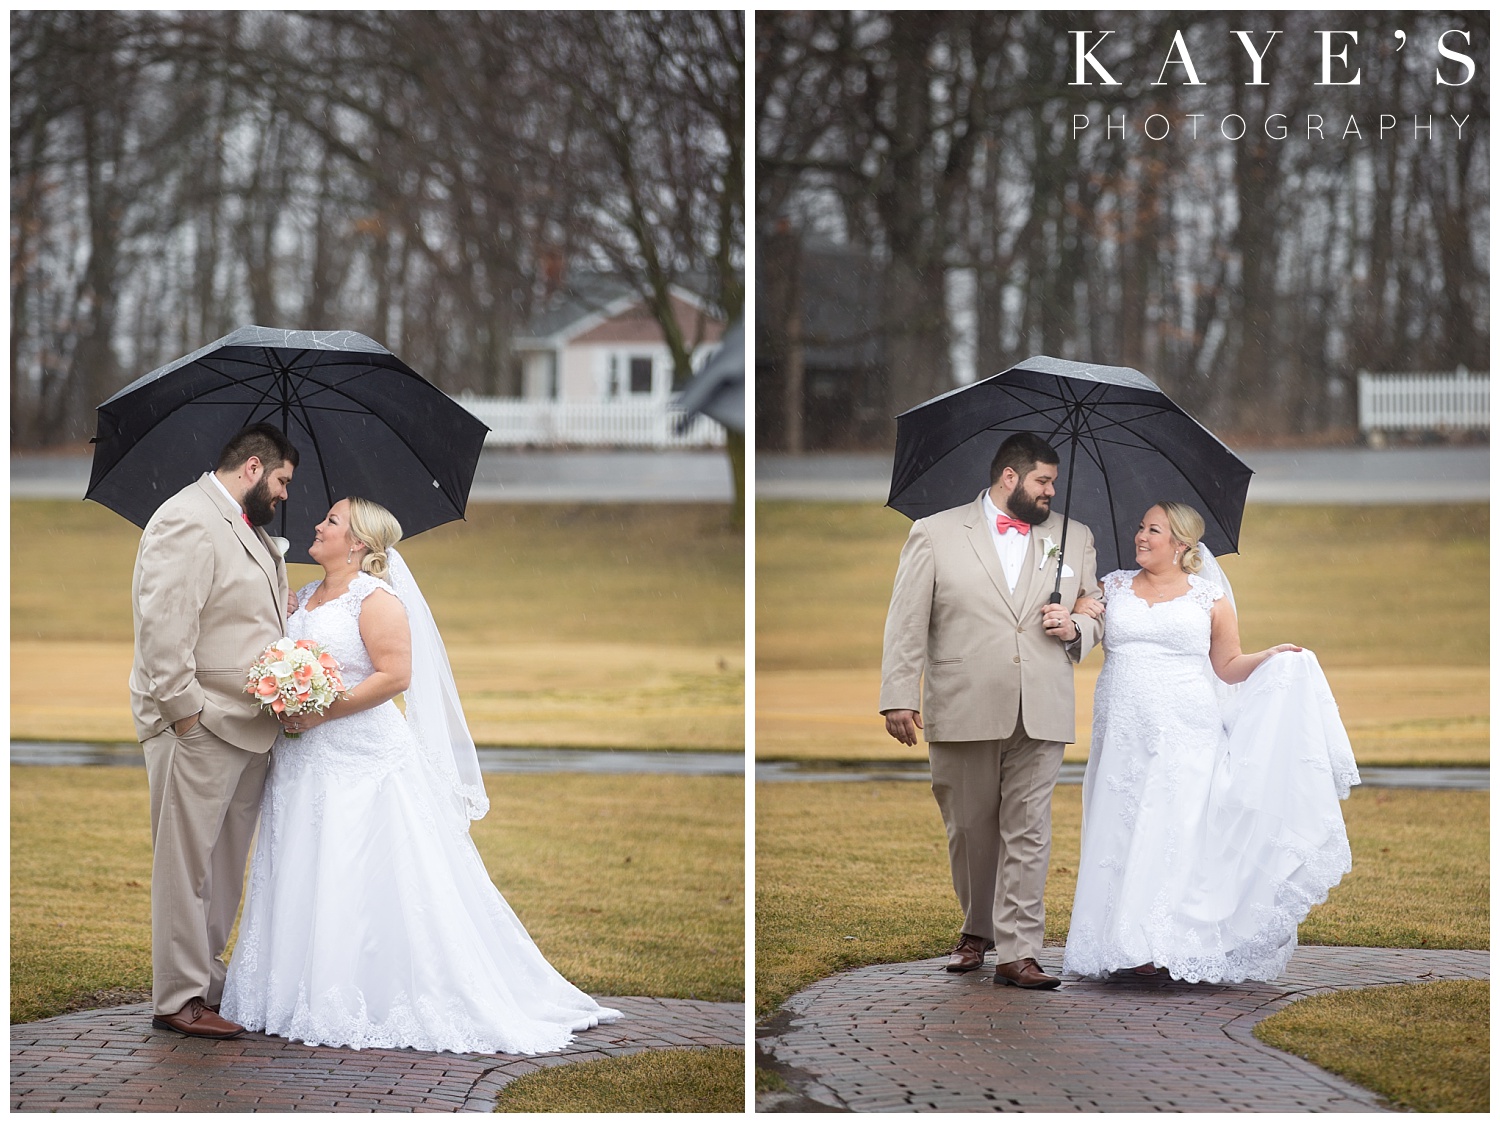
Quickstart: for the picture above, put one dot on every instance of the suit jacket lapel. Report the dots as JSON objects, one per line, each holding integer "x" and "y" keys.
{"x": 984, "y": 545}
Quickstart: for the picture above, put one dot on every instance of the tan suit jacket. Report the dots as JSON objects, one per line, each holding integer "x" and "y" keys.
{"x": 209, "y": 594}
{"x": 981, "y": 649}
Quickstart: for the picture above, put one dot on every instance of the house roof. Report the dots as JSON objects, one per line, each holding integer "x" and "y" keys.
{"x": 588, "y": 300}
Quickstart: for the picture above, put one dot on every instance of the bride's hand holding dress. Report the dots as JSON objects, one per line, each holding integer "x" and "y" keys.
{"x": 1230, "y": 663}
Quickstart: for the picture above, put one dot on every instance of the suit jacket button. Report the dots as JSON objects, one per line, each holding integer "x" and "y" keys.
{"x": 1018, "y": 658}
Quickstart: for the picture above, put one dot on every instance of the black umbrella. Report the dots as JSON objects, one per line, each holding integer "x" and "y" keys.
{"x": 1124, "y": 445}
{"x": 718, "y": 390}
{"x": 363, "y": 422}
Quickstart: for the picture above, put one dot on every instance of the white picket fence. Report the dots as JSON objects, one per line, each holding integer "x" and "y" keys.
{"x": 1394, "y": 402}
{"x": 521, "y": 423}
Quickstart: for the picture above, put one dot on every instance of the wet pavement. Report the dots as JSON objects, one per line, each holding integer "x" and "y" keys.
{"x": 503, "y": 476}
{"x": 114, "y": 1060}
{"x": 912, "y": 1037}
{"x": 600, "y": 761}
{"x": 792, "y": 771}
{"x": 1297, "y": 476}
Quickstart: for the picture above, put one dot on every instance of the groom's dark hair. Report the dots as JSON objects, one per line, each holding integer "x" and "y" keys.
{"x": 263, "y": 440}
{"x": 1022, "y": 452}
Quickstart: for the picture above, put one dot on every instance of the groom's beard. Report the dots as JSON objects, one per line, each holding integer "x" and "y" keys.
{"x": 260, "y": 507}
{"x": 1025, "y": 507}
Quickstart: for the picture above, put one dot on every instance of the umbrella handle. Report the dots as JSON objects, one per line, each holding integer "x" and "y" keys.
{"x": 1056, "y": 597}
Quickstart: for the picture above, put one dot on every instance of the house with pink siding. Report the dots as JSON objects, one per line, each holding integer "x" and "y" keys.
{"x": 595, "y": 341}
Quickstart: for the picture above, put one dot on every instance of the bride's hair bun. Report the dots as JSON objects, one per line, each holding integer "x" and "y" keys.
{"x": 1187, "y": 528}
{"x": 375, "y": 527}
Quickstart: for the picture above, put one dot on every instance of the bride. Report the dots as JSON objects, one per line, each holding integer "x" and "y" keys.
{"x": 370, "y": 920}
{"x": 1211, "y": 819}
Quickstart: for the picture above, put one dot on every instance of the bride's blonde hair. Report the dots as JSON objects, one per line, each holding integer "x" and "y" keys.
{"x": 375, "y": 527}
{"x": 1187, "y": 528}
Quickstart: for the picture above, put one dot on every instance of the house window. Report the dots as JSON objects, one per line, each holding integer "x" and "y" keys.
{"x": 614, "y": 377}
{"x": 640, "y": 375}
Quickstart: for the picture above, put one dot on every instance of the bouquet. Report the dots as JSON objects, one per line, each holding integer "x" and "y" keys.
{"x": 295, "y": 677}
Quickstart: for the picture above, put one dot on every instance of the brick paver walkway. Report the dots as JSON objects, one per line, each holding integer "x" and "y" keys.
{"x": 911, "y": 1037}
{"x": 112, "y": 1060}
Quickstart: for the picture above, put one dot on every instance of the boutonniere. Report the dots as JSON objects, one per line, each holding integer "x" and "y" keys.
{"x": 1050, "y": 550}
{"x": 282, "y": 545}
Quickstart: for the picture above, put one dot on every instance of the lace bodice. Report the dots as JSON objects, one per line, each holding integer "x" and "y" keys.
{"x": 1175, "y": 627}
{"x": 370, "y": 739}
{"x": 336, "y": 625}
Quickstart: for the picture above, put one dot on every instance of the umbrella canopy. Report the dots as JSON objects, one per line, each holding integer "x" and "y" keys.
{"x": 363, "y": 423}
{"x": 719, "y": 388}
{"x": 1124, "y": 445}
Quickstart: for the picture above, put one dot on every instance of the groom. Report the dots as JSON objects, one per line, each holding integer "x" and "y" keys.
{"x": 970, "y": 615}
{"x": 209, "y": 593}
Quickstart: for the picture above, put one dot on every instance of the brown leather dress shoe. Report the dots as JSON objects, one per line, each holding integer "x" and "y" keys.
{"x": 969, "y": 954}
{"x": 197, "y": 1020}
{"x": 1024, "y": 973}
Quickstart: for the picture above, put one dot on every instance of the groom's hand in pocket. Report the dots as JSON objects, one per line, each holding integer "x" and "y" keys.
{"x": 183, "y": 727}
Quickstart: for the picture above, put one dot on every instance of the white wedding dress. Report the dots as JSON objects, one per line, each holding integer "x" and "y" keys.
{"x": 370, "y": 920}
{"x": 1211, "y": 817}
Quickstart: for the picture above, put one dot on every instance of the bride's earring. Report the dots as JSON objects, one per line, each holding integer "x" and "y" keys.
{"x": 350, "y": 558}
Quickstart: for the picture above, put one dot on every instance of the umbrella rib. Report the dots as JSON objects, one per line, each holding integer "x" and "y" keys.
{"x": 317, "y": 447}
{"x": 1090, "y": 445}
{"x": 1202, "y": 499}
{"x": 401, "y": 436}
{"x": 1080, "y": 407}
{"x": 307, "y": 376}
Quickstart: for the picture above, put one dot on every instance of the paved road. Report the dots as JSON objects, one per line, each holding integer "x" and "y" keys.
{"x": 1324, "y": 475}
{"x": 911, "y": 1037}
{"x": 502, "y": 477}
{"x": 1320, "y": 475}
{"x": 113, "y": 1060}
{"x": 593, "y": 761}
{"x": 806, "y": 771}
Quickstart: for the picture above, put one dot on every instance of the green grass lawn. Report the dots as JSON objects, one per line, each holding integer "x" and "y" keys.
{"x": 594, "y": 626}
{"x": 671, "y": 1080}
{"x": 1424, "y": 1047}
{"x": 1358, "y": 585}
{"x": 629, "y": 884}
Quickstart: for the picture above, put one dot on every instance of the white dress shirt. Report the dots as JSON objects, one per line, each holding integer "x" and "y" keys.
{"x": 220, "y": 484}
{"x": 1010, "y": 546}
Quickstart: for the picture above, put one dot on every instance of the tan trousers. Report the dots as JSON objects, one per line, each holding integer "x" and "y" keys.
{"x": 996, "y": 800}
{"x": 205, "y": 798}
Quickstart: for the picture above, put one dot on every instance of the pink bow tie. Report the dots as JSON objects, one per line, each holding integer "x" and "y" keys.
{"x": 1004, "y": 522}
{"x": 248, "y": 523}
